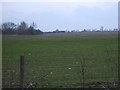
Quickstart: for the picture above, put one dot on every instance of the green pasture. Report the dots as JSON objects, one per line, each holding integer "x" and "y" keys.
{"x": 61, "y": 60}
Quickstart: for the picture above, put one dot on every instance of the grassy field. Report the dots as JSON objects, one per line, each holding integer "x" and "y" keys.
{"x": 61, "y": 60}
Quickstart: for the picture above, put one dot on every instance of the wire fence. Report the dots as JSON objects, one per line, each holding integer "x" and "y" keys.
{"x": 49, "y": 72}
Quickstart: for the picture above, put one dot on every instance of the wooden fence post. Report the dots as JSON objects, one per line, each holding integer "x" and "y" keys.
{"x": 118, "y": 70}
{"x": 21, "y": 71}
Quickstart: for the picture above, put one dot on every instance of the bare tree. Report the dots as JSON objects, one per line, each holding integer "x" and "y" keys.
{"x": 33, "y": 25}
{"x": 22, "y": 28}
{"x": 8, "y": 26}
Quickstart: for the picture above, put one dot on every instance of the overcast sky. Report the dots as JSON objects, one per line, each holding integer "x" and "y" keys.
{"x": 50, "y": 16}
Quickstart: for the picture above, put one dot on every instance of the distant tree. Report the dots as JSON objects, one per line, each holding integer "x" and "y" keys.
{"x": 22, "y": 28}
{"x": 85, "y": 30}
{"x": 8, "y": 28}
{"x": 31, "y": 30}
{"x": 33, "y": 25}
{"x": 56, "y": 31}
{"x": 101, "y": 29}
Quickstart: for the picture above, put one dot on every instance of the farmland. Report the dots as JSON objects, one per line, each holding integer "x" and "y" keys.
{"x": 61, "y": 60}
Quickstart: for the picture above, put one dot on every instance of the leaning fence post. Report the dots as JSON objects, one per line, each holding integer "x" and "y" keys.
{"x": 21, "y": 71}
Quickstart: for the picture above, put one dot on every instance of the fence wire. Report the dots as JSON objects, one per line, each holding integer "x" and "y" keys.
{"x": 41, "y": 72}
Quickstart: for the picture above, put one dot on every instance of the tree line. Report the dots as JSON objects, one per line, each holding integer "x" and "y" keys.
{"x": 10, "y": 28}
